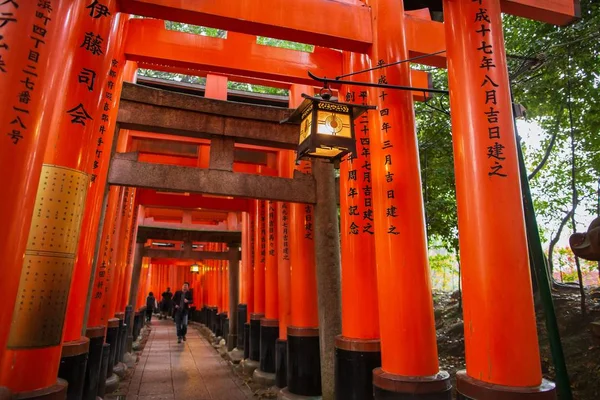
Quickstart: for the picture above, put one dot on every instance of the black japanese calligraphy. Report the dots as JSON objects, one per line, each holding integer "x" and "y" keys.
{"x": 87, "y": 77}
{"x": 93, "y": 43}
{"x": 79, "y": 115}
{"x": 98, "y": 10}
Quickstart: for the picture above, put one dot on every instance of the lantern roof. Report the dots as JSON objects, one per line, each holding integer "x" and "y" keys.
{"x": 298, "y": 114}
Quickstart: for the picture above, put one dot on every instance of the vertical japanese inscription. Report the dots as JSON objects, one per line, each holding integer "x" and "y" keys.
{"x": 489, "y": 90}
{"x": 387, "y": 143}
{"x": 285, "y": 220}
{"x": 17, "y": 128}
{"x": 359, "y": 175}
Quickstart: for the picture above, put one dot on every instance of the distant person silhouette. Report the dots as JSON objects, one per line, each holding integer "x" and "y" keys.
{"x": 182, "y": 301}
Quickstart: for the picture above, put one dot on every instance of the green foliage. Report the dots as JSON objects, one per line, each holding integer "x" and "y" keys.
{"x": 565, "y": 55}
{"x": 197, "y": 30}
{"x": 566, "y": 271}
{"x": 541, "y": 86}
{"x": 309, "y": 48}
{"x": 444, "y": 271}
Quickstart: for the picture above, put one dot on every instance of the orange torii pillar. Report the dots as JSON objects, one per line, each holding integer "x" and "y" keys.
{"x": 303, "y": 355}
{"x": 501, "y": 344}
{"x": 38, "y": 40}
{"x": 59, "y": 208}
{"x": 407, "y": 327}
{"x": 104, "y": 83}
{"x": 234, "y": 299}
{"x": 260, "y": 251}
{"x": 104, "y": 291}
{"x": 122, "y": 246}
{"x": 357, "y": 348}
{"x": 128, "y": 225}
{"x": 286, "y": 170}
{"x": 245, "y": 288}
{"x": 248, "y": 277}
{"x": 220, "y": 310}
{"x": 269, "y": 325}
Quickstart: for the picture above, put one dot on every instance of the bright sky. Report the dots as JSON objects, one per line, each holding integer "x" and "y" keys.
{"x": 531, "y": 133}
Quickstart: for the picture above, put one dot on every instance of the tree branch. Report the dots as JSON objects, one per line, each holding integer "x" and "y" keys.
{"x": 550, "y": 145}
{"x": 555, "y": 240}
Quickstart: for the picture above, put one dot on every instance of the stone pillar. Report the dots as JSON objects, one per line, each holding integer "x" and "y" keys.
{"x": 501, "y": 345}
{"x": 327, "y": 260}
{"x": 357, "y": 348}
{"x": 234, "y": 260}
{"x": 138, "y": 257}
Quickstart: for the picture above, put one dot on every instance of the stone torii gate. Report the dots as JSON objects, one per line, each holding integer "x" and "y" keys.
{"x": 62, "y": 87}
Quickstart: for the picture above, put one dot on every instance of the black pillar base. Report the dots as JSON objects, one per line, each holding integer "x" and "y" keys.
{"x": 269, "y": 332}
{"x": 106, "y": 351}
{"x": 137, "y": 325}
{"x": 394, "y": 387}
{"x": 355, "y": 360}
{"x": 212, "y": 311}
{"x": 112, "y": 338}
{"x": 122, "y": 348}
{"x": 221, "y": 322}
{"x": 281, "y": 363}
{"x": 120, "y": 317}
{"x": 246, "y": 340}
{"x": 255, "y": 336}
{"x": 58, "y": 391}
{"x": 468, "y": 388}
{"x": 92, "y": 372}
{"x": 203, "y": 315}
{"x": 304, "y": 362}
{"x": 225, "y": 329}
{"x": 73, "y": 363}
{"x": 242, "y": 316}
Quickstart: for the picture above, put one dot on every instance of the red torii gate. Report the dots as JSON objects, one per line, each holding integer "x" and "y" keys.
{"x": 351, "y": 30}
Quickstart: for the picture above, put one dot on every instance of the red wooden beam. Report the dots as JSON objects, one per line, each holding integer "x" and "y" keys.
{"x": 342, "y": 24}
{"x": 239, "y": 57}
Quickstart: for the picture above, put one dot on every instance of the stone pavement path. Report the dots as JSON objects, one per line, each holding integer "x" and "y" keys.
{"x": 192, "y": 370}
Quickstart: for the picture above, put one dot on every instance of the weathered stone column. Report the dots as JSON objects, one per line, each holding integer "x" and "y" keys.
{"x": 327, "y": 259}
{"x": 234, "y": 296}
{"x": 133, "y": 292}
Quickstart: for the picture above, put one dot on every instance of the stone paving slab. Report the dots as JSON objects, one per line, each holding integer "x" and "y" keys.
{"x": 192, "y": 370}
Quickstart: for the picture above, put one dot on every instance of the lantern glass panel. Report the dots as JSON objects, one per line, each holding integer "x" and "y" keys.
{"x": 333, "y": 123}
{"x": 306, "y": 127}
{"x": 328, "y": 152}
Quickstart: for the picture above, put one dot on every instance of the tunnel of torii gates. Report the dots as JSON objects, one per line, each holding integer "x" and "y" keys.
{"x": 114, "y": 189}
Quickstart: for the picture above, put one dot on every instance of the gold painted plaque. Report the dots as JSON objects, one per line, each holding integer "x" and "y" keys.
{"x": 41, "y": 303}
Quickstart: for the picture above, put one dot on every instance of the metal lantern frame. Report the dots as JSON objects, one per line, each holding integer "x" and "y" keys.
{"x": 308, "y": 147}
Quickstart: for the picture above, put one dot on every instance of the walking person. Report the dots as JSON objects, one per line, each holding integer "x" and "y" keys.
{"x": 166, "y": 304}
{"x": 182, "y": 301}
{"x": 150, "y": 306}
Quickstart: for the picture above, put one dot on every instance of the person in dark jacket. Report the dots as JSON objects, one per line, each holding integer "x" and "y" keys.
{"x": 166, "y": 304}
{"x": 181, "y": 303}
{"x": 150, "y": 306}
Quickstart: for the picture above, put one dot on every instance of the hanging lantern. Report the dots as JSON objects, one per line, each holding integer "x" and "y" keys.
{"x": 326, "y": 127}
{"x": 195, "y": 269}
